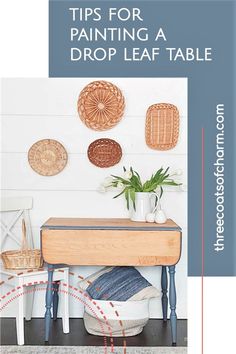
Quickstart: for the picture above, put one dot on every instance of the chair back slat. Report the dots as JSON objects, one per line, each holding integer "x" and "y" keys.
{"x": 16, "y": 203}
{"x": 19, "y": 207}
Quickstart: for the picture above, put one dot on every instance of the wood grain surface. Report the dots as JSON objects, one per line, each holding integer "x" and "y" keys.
{"x": 111, "y": 247}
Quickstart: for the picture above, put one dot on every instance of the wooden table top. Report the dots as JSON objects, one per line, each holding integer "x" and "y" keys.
{"x": 106, "y": 224}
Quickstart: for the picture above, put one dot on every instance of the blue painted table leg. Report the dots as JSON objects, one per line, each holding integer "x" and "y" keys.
{"x": 172, "y": 298}
{"x": 164, "y": 299}
{"x": 49, "y": 292}
{"x": 55, "y": 299}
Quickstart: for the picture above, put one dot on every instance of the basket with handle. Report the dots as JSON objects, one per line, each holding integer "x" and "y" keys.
{"x": 24, "y": 258}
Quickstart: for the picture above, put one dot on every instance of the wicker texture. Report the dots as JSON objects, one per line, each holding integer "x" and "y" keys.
{"x": 162, "y": 126}
{"x": 47, "y": 157}
{"x": 101, "y": 105}
{"x": 104, "y": 152}
{"x": 22, "y": 259}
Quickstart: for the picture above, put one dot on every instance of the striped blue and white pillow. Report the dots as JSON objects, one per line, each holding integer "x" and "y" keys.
{"x": 118, "y": 284}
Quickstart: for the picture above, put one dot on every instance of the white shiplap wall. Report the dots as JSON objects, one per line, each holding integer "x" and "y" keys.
{"x": 34, "y": 109}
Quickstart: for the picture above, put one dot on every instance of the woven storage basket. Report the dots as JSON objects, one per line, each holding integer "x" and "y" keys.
{"x": 101, "y": 105}
{"x": 162, "y": 126}
{"x": 24, "y": 258}
{"x": 104, "y": 152}
{"x": 133, "y": 316}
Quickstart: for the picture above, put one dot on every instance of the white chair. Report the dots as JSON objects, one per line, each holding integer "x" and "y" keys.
{"x": 24, "y": 281}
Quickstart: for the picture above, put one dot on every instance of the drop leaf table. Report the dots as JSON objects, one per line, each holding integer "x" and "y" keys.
{"x": 112, "y": 242}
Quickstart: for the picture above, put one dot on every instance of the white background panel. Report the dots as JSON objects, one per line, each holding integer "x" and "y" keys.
{"x": 219, "y": 315}
{"x": 26, "y": 27}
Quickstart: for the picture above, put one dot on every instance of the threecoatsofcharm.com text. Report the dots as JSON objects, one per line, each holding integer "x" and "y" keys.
{"x": 220, "y": 178}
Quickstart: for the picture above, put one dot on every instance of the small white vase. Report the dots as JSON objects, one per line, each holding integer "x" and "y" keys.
{"x": 160, "y": 217}
{"x": 144, "y": 204}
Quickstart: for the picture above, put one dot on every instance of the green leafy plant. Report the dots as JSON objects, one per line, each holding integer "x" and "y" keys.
{"x": 131, "y": 182}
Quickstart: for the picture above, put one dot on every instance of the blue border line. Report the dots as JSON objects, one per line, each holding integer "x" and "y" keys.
{"x": 129, "y": 228}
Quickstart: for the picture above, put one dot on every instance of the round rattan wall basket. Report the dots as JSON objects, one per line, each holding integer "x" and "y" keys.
{"x": 47, "y": 157}
{"x": 101, "y": 105}
{"x": 104, "y": 152}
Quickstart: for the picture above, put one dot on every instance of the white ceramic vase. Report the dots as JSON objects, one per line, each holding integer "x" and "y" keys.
{"x": 144, "y": 203}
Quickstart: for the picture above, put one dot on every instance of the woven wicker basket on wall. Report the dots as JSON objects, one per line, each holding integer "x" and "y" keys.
{"x": 47, "y": 157}
{"x": 22, "y": 259}
{"x": 101, "y": 105}
{"x": 162, "y": 126}
{"x": 104, "y": 152}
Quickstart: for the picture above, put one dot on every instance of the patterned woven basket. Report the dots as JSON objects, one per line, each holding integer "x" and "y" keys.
{"x": 24, "y": 258}
{"x": 101, "y": 105}
{"x": 104, "y": 152}
{"x": 162, "y": 126}
{"x": 47, "y": 157}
